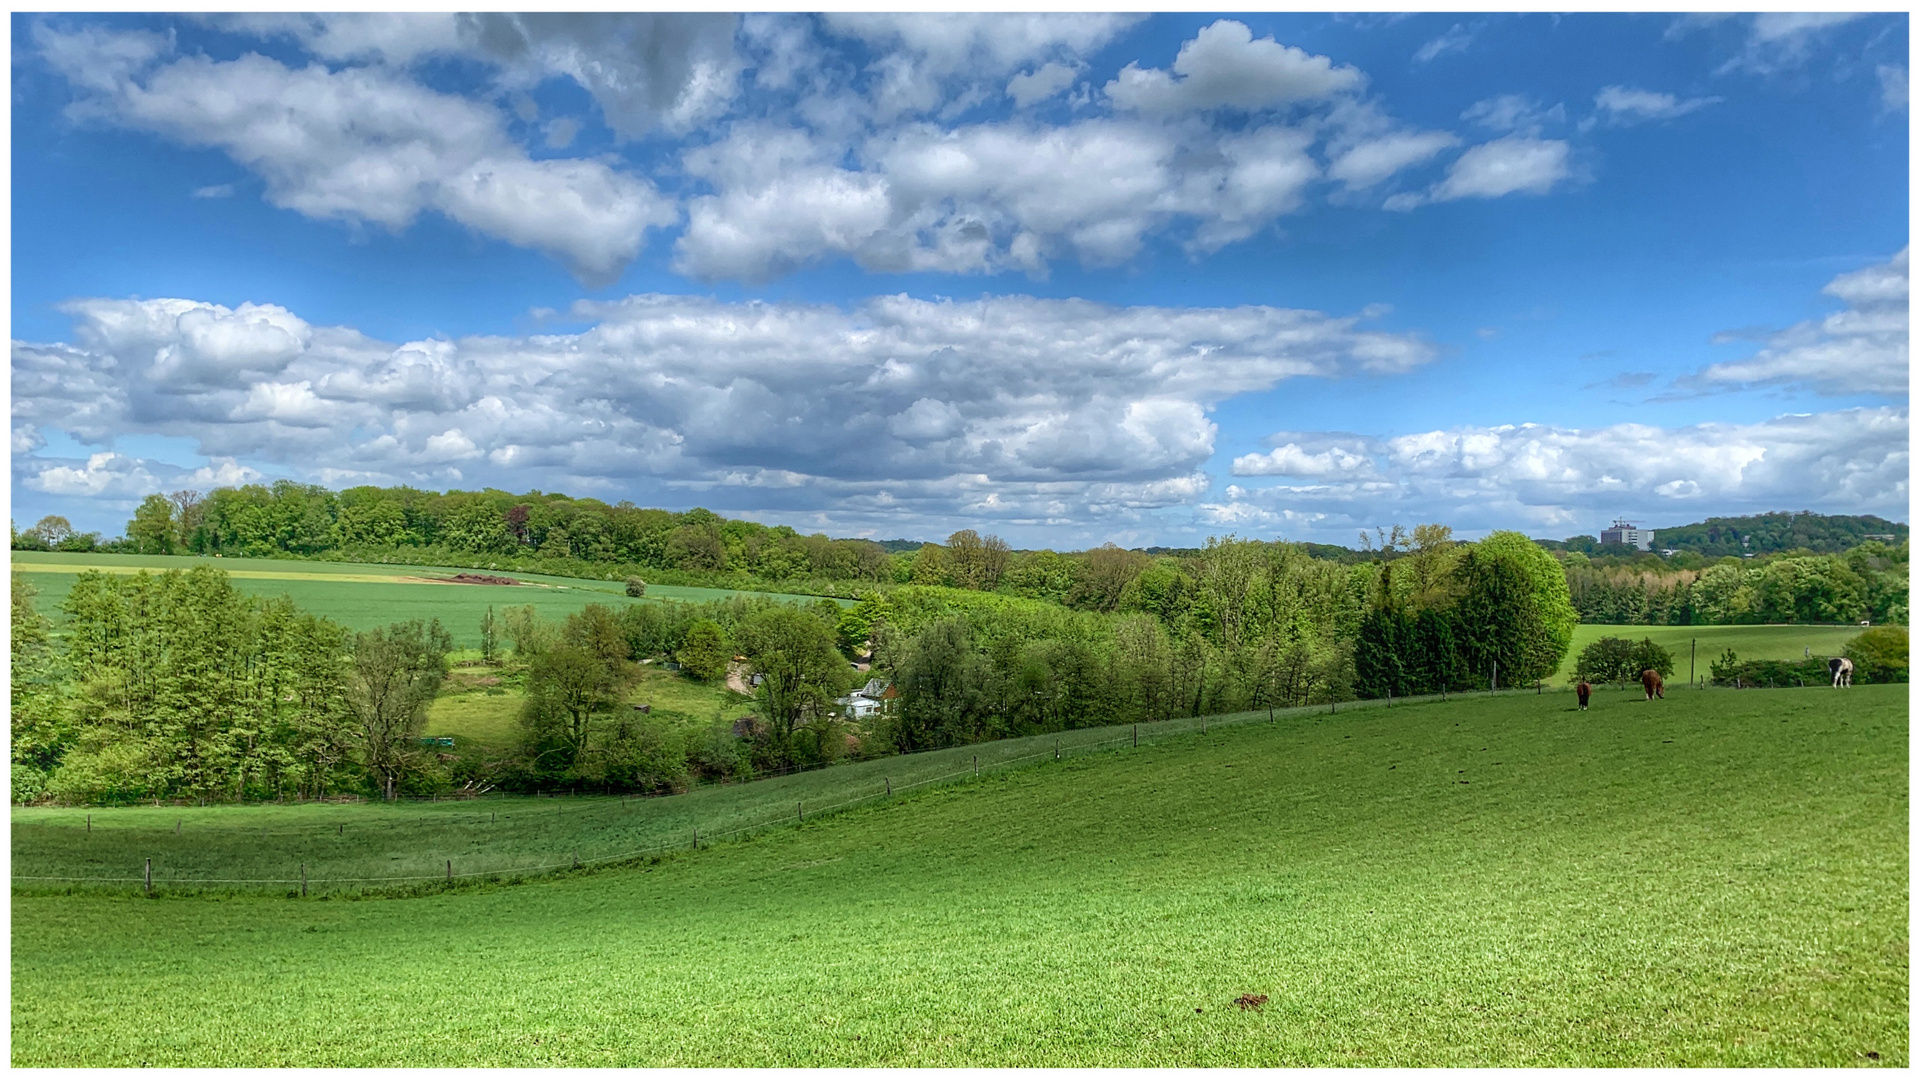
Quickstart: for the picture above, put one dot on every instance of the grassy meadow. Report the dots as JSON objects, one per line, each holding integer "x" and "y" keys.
{"x": 362, "y": 596}
{"x": 1749, "y": 642}
{"x": 480, "y": 704}
{"x": 1715, "y": 879}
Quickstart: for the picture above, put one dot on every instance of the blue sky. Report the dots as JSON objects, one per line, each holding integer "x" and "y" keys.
{"x": 1063, "y": 278}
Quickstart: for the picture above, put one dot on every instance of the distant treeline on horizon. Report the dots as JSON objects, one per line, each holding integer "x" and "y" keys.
{"x": 1784, "y": 567}
{"x": 308, "y": 519}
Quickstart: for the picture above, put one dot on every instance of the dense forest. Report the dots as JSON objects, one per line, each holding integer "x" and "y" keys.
{"x": 1867, "y": 582}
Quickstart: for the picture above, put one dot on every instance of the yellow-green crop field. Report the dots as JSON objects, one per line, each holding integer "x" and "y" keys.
{"x": 362, "y": 596}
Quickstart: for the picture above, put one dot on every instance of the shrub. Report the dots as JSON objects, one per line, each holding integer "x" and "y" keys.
{"x": 1879, "y": 655}
{"x": 636, "y": 587}
{"x": 1730, "y": 670}
{"x": 1606, "y": 660}
{"x": 1617, "y": 660}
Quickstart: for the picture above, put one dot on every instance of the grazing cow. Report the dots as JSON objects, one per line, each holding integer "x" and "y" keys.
{"x": 1650, "y": 681}
{"x": 1842, "y": 669}
{"x": 1585, "y": 690}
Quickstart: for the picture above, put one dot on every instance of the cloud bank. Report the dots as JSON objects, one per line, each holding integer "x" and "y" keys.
{"x": 1012, "y": 407}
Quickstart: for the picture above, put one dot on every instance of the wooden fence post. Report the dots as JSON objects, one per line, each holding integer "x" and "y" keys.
{"x": 449, "y": 871}
{"x": 976, "y": 764}
{"x": 799, "y": 812}
{"x": 696, "y": 839}
{"x": 1056, "y": 749}
{"x": 89, "y": 823}
{"x": 303, "y": 879}
{"x": 149, "y": 877}
{"x": 1136, "y": 734}
{"x": 889, "y": 785}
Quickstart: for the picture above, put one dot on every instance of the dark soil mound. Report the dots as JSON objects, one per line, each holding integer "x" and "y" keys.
{"x": 481, "y": 579}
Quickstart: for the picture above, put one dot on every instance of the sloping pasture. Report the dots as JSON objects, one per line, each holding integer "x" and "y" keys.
{"x": 1716, "y": 879}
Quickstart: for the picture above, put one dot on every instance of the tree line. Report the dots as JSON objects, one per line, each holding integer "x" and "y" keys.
{"x": 1867, "y": 582}
{"x": 541, "y": 532}
{"x": 179, "y": 686}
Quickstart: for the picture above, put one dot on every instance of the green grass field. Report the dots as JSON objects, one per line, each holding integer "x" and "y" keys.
{"x": 476, "y": 706}
{"x": 1749, "y": 642}
{"x": 1716, "y": 879}
{"x": 362, "y": 596}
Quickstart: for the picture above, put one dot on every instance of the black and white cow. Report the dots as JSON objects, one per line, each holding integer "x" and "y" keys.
{"x": 1842, "y": 669}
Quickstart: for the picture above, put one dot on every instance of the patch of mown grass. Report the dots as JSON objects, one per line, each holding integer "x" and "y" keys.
{"x": 486, "y": 716}
{"x": 1716, "y": 879}
{"x": 481, "y": 704}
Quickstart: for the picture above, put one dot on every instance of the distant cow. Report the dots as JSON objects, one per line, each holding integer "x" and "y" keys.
{"x": 1585, "y": 690}
{"x": 1842, "y": 669}
{"x": 1650, "y": 681}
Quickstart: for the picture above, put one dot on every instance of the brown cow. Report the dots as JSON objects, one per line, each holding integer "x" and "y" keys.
{"x": 1585, "y": 690}
{"x": 1650, "y": 680}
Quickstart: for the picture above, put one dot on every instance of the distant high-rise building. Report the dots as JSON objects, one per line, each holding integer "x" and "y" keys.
{"x": 1625, "y": 532}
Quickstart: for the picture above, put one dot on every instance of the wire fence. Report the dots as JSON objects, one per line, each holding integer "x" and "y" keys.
{"x": 334, "y": 850}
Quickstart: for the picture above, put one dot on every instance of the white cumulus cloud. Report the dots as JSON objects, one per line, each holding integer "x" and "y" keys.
{"x": 1030, "y": 407}
{"x": 1862, "y": 349}
{"x": 365, "y": 145}
{"x": 1515, "y": 165}
{"x": 1547, "y": 478}
{"x": 1225, "y": 67}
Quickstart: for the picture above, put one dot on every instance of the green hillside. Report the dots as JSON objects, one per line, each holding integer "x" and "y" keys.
{"x": 1716, "y": 879}
{"x": 1765, "y": 534}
